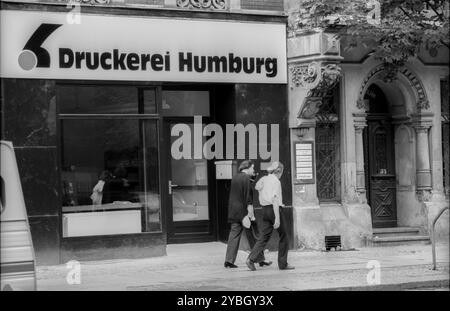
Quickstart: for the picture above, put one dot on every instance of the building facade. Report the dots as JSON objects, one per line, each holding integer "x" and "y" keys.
{"x": 95, "y": 94}
{"x": 381, "y": 146}
{"x": 120, "y": 115}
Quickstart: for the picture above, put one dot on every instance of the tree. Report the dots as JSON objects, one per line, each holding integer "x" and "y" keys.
{"x": 394, "y": 30}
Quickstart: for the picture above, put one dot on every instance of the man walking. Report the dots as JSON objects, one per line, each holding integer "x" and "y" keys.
{"x": 240, "y": 204}
{"x": 270, "y": 198}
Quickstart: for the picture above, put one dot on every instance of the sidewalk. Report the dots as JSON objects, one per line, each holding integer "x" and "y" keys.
{"x": 200, "y": 267}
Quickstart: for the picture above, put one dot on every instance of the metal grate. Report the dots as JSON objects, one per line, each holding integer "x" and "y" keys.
{"x": 327, "y": 149}
{"x": 332, "y": 242}
{"x": 327, "y": 165}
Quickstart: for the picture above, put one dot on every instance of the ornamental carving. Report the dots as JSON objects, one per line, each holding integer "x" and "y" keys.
{"x": 331, "y": 74}
{"x": 424, "y": 195}
{"x": 422, "y": 103}
{"x": 307, "y": 75}
{"x": 203, "y": 4}
{"x": 315, "y": 75}
{"x": 90, "y": 1}
{"x": 319, "y": 79}
{"x": 422, "y": 100}
{"x": 310, "y": 108}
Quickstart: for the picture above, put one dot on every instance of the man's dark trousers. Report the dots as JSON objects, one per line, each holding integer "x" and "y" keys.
{"x": 235, "y": 237}
{"x": 266, "y": 233}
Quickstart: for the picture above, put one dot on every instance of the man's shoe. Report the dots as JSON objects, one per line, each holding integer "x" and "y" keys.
{"x": 265, "y": 263}
{"x": 229, "y": 265}
{"x": 250, "y": 265}
{"x": 288, "y": 267}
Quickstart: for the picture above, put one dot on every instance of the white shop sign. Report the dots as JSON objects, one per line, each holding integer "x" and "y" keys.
{"x": 44, "y": 45}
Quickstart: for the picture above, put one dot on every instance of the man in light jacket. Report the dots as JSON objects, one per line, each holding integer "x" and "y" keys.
{"x": 271, "y": 199}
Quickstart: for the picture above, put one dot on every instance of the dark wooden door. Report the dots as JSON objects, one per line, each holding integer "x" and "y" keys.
{"x": 380, "y": 168}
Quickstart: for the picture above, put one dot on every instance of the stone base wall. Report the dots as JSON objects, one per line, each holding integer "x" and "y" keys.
{"x": 410, "y": 211}
{"x": 351, "y": 222}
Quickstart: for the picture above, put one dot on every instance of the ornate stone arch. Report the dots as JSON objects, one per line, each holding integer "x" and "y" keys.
{"x": 421, "y": 96}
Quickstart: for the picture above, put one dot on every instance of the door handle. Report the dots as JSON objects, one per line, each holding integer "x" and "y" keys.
{"x": 171, "y": 186}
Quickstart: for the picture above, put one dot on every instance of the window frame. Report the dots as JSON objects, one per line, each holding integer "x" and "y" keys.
{"x": 140, "y": 116}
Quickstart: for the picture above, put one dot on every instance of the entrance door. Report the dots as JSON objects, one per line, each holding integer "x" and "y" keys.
{"x": 380, "y": 168}
{"x": 189, "y": 200}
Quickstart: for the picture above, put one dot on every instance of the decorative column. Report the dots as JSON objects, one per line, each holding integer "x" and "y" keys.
{"x": 360, "y": 123}
{"x": 422, "y": 123}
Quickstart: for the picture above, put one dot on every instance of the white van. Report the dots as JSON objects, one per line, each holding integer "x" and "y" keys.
{"x": 17, "y": 254}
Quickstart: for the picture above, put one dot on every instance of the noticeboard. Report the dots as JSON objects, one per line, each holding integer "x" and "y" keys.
{"x": 304, "y": 162}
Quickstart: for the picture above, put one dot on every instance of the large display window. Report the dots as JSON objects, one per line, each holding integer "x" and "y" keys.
{"x": 109, "y": 160}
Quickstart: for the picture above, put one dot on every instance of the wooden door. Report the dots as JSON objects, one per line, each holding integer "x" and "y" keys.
{"x": 380, "y": 168}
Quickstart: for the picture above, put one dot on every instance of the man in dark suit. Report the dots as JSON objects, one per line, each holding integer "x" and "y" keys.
{"x": 240, "y": 204}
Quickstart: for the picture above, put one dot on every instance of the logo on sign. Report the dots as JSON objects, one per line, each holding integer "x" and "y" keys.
{"x": 33, "y": 54}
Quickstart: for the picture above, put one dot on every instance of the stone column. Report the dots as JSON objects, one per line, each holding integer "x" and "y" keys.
{"x": 422, "y": 124}
{"x": 360, "y": 124}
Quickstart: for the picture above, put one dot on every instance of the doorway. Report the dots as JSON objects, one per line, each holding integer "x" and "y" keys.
{"x": 189, "y": 203}
{"x": 189, "y": 197}
{"x": 380, "y": 160}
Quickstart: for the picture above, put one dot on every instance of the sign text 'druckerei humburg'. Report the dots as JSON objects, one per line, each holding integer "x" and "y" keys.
{"x": 45, "y": 46}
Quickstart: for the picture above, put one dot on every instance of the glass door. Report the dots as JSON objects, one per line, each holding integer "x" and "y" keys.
{"x": 189, "y": 188}
{"x": 188, "y": 195}
{"x": 189, "y": 198}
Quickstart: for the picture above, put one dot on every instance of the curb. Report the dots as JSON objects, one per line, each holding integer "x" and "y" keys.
{"x": 390, "y": 287}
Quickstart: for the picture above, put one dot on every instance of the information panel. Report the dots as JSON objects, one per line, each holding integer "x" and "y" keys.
{"x": 304, "y": 162}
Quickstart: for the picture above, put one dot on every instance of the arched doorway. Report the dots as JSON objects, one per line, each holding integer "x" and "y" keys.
{"x": 379, "y": 149}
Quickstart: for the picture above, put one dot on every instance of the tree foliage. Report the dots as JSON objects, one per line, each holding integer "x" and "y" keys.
{"x": 394, "y": 30}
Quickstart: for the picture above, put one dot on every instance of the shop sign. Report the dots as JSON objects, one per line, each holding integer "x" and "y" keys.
{"x": 46, "y": 45}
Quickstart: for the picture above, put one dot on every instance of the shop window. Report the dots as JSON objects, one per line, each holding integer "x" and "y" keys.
{"x": 327, "y": 149}
{"x": 185, "y": 103}
{"x": 110, "y": 171}
{"x": 93, "y": 99}
{"x": 445, "y": 117}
